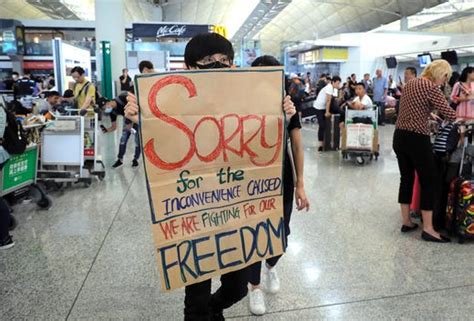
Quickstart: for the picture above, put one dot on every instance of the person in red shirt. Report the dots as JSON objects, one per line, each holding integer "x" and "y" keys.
{"x": 412, "y": 145}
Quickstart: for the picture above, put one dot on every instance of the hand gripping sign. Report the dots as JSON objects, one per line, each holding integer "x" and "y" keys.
{"x": 213, "y": 147}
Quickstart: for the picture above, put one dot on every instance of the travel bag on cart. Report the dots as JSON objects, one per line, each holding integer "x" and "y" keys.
{"x": 308, "y": 112}
{"x": 14, "y": 138}
{"x": 460, "y": 209}
{"x": 332, "y": 133}
{"x": 307, "y": 109}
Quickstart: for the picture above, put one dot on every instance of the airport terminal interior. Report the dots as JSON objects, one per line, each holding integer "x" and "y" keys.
{"x": 138, "y": 182}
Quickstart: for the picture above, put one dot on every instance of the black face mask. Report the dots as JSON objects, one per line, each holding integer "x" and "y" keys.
{"x": 213, "y": 65}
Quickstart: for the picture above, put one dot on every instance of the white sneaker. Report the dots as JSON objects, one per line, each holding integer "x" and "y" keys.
{"x": 257, "y": 302}
{"x": 272, "y": 284}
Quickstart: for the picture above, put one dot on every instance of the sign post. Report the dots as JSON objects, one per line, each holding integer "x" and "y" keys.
{"x": 213, "y": 148}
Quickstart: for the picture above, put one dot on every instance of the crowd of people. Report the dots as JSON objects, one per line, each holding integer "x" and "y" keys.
{"x": 418, "y": 99}
{"x": 27, "y": 84}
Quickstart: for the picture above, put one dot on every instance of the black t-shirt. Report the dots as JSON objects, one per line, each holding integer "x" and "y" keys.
{"x": 121, "y": 101}
{"x": 24, "y": 87}
{"x": 125, "y": 86}
{"x": 288, "y": 182}
{"x": 352, "y": 90}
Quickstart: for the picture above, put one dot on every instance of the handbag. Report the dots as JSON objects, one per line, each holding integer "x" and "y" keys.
{"x": 454, "y": 104}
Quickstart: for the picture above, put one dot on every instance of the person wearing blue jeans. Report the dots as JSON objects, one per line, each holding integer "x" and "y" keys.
{"x": 128, "y": 129}
{"x": 380, "y": 88}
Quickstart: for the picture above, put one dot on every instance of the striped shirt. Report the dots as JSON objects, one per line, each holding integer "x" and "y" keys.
{"x": 441, "y": 142}
{"x": 420, "y": 97}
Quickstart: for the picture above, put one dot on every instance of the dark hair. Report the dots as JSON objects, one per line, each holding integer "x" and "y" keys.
{"x": 15, "y": 73}
{"x": 68, "y": 93}
{"x": 412, "y": 70}
{"x": 77, "y": 69}
{"x": 266, "y": 60}
{"x": 466, "y": 71}
{"x": 206, "y": 44}
{"x": 124, "y": 69}
{"x": 336, "y": 79}
{"x": 145, "y": 64}
{"x": 51, "y": 93}
{"x": 454, "y": 78}
{"x": 323, "y": 76}
{"x": 353, "y": 75}
{"x": 101, "y": 102}
{"x": 360, "y": 84}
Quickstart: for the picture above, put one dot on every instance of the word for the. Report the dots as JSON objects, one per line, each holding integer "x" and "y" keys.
{"x": 187, "y": 183}
{"x": 188, "y": 257}
{"x": 229, "y": 176}
{"x": 223, "y": 139}
{"x": 224, "y": 176}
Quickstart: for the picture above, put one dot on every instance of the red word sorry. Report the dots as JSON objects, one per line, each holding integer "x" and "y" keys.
{"x": 224, "y": 138}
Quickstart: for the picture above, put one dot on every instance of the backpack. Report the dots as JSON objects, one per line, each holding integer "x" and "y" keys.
{"x": 86, "y": 89}
{"x": 14, "y": 138}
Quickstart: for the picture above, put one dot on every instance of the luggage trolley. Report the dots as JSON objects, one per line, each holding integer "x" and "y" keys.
{"x": 69, "y": 151}
{"x": 18, "y": 178}
{"x": 360, "y": 135}
{"x": 92, "y": 157}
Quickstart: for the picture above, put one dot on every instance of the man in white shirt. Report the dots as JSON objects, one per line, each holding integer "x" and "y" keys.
{"x": 322, "y": 104}
{"x": 362, "y": 100}
{"x": 51, "y": 99}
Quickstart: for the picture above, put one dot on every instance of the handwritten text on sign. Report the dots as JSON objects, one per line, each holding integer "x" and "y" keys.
{"x": 213, "y": 145}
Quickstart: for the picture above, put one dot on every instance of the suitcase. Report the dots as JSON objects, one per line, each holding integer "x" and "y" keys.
{"x": 307, "y": 109}
{"x": 308, "y": 112}
{"x": 332, "y": 133}
{"x": 460, "y": 209}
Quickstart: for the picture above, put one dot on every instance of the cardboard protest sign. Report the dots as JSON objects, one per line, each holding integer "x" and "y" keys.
{"x": 213, "y": 143}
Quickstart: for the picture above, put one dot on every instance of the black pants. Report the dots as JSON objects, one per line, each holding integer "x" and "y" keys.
{"x": 256, "y": 268}
{"x": 200, "y": 305}
{"x": 414, "y": 152}
{"x": 4, "y": 220}
{"x": 321, "y": 116}
{"x": 288, "y": 196}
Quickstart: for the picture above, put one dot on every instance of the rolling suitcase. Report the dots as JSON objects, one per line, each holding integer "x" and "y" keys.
{"x": 460, "y": 209}
{"x": 332, "y": 133}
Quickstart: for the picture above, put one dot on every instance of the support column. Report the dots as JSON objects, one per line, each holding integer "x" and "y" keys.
{"x": 404, "y": 24}
{"x": 110, "y": 26}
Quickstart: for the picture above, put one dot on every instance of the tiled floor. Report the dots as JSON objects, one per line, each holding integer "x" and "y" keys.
{"x": 90, "y": 257}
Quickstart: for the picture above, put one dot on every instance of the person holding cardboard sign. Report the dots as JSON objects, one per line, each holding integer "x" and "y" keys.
{"x": 292, "y": 176}
{"x": 210, "y": 51}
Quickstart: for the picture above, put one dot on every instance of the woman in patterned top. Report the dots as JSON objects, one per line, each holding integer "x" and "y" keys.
{"x": 412, "y": 145}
